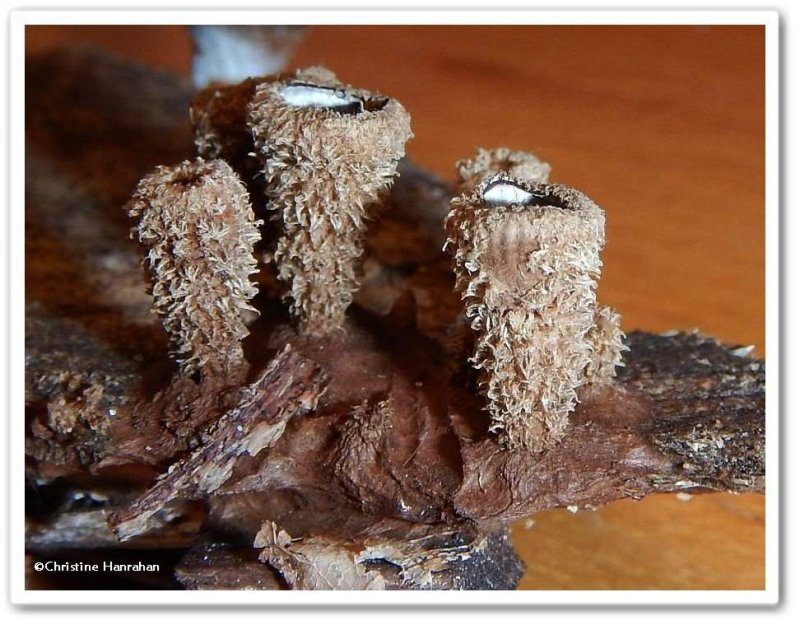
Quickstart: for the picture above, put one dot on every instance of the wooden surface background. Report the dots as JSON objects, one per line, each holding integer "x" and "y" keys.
{"x": 664, "y": 128}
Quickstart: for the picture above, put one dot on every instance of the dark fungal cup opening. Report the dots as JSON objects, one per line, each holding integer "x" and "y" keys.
{"x": 193, "y": 174}
{"x": 376, "y": 103}
{"x": 306, "y": 95}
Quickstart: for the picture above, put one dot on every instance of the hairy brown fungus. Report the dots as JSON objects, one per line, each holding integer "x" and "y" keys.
{"x": 219, "y": 120}
{"x": 527, "y": 257}
{"x": 327, "y": 151}
{"x": 197, "y": 225}
{"x": 515, "y": 163}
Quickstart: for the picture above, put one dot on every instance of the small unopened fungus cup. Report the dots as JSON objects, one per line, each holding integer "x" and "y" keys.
{"x": 197, "y": 225}
{"x": 327, "y": 151}
{"x": 527, "y": 258}
{"x": 514, "y": 163}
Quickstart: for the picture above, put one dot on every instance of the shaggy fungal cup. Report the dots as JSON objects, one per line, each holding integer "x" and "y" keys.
{"x": 527, "y": 257}
{"x": 198, "y": 228}
{"x": 327, "y": 151}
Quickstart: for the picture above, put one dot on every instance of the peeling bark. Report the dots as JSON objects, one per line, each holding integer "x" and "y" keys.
{"x": 289, "y": 387}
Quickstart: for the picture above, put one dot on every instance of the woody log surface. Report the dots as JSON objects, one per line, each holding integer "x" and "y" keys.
{"x": 392, "y": 452}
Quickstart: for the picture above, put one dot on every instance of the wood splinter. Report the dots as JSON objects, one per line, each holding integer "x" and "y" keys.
{"x": 327, "y": 151}
{"x": 527, "y": 258}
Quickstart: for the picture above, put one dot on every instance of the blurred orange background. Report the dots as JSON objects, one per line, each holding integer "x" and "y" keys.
{"x": 663, "y": 126}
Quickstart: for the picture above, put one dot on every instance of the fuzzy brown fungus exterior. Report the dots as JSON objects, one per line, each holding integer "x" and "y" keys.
{"x": 197, "y": 225}
{"x": 607, "y": 342}
{"x": 517, "y": 164}
{"x": 527, "y": 257}
{"x": 327, "y": 151}
{"x": 218, "y": 115}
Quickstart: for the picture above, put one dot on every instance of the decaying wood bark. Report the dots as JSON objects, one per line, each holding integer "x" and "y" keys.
{"x": 357, "y": 460}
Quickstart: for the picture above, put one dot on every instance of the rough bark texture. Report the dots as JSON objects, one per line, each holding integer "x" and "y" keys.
{"x": 289, "y": 387}
{"x": 393, "y": 478}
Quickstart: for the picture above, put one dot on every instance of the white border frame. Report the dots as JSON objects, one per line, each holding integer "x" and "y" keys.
{"x": 19, "y": 19}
